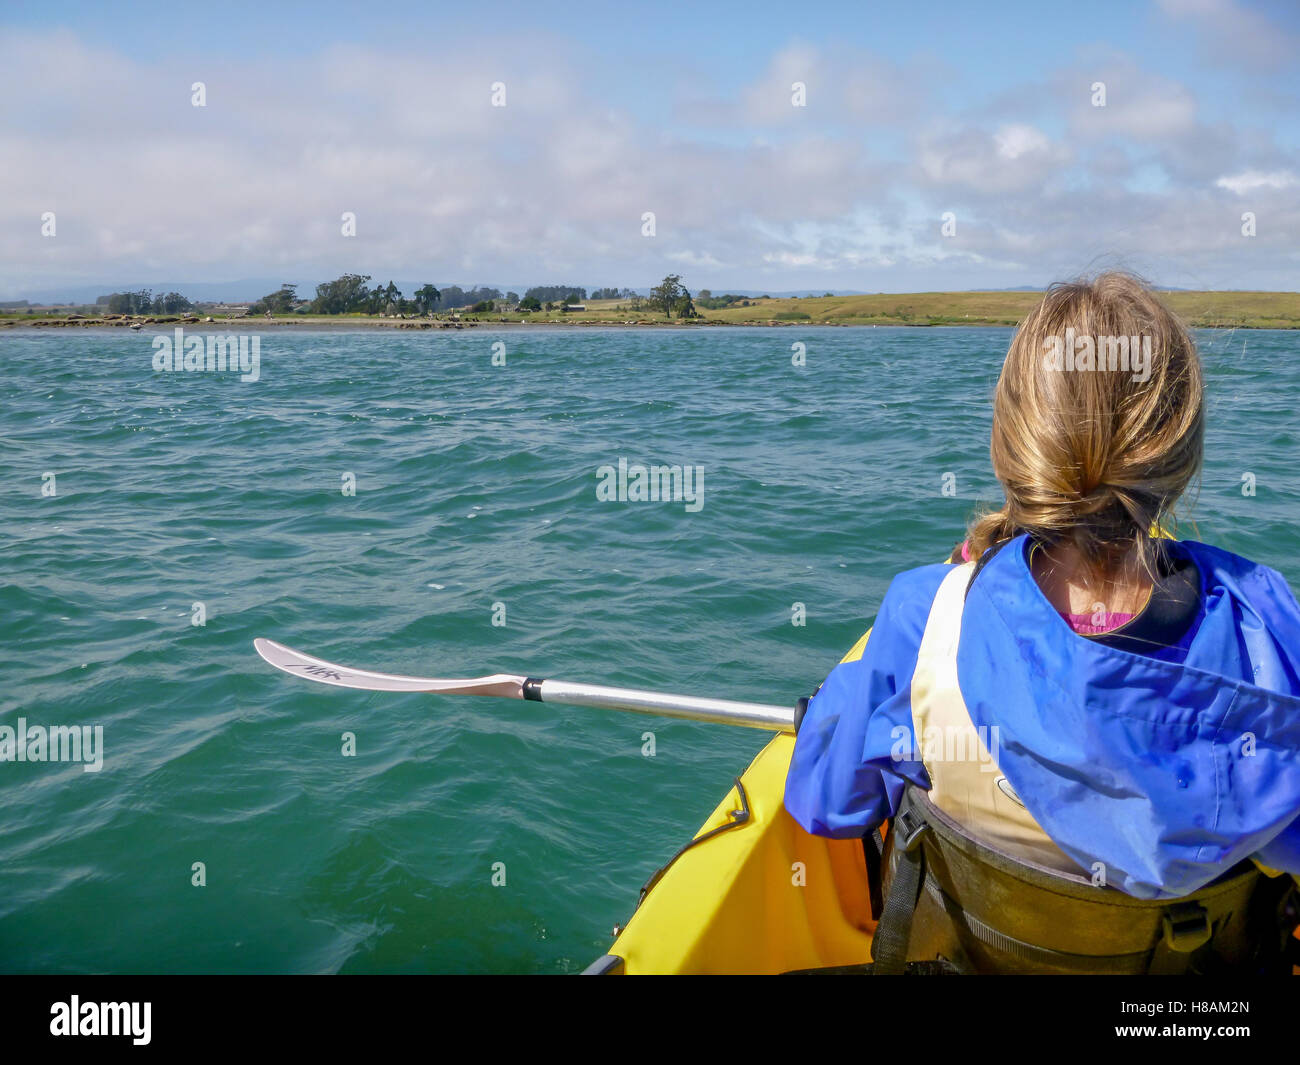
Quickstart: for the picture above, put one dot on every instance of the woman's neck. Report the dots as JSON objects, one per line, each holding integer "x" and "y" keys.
{"x": 1072, "y": 586}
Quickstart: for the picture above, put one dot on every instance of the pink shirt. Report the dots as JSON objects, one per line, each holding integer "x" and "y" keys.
{"x": 1084, "y": 624}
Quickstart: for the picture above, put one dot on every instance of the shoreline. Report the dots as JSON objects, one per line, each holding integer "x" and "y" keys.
{"x": 354, "y": 325}
{"x": 154, "y": 328}
{"x": 344, "y": 326}
{"x": 1198, "y": 310}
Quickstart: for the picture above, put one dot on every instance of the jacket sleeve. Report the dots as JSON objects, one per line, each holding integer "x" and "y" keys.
{"x": 1282, "y": 853}
{"x": 854, "y": 748}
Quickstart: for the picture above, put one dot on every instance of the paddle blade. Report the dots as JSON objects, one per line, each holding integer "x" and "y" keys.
{"x": 298, "y": 664}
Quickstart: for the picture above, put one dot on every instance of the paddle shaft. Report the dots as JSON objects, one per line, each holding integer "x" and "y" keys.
{"x": 663, "y": 704}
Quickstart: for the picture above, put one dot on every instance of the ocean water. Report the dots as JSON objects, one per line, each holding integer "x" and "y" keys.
{"x": 475, "y": 486}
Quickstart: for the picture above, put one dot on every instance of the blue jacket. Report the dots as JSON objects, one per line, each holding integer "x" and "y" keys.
{"x": 1168, "y": 768}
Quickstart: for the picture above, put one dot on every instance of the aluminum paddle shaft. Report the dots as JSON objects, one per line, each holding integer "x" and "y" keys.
{"x": 689, "y": 707}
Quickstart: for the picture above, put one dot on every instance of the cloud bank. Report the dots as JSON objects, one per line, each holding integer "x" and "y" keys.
{"x": 747, "y": 189}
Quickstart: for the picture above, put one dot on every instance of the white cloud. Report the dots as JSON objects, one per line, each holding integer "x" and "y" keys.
{"x": 770, "y": 99}
{"x": 1013, "y": 158}
{"x": 1017, "y": 140}
{"x": 1252, "y": 180}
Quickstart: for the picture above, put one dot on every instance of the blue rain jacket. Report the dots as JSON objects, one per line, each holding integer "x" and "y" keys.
{"x": 1169, "y": 768}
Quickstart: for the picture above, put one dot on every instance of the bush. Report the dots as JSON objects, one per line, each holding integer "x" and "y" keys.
{"x": 792, "y": 316}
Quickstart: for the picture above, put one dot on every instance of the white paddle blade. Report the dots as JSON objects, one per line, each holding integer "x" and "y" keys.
{"x": 300, "y": 665}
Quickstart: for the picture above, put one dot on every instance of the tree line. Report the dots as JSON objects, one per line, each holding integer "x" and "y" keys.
{"x": 353, "y": 294}
{"x": 144, "y": 302}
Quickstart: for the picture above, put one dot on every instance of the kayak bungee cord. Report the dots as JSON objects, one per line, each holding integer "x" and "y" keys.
{"x": 510, "y": 686}
{"x": 735, "y": 818}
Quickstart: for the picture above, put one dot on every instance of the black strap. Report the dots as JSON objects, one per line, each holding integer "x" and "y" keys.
{"x": 981, "y": 562}
{"x": 873, "y": 849}
{"x": 894, "y": 931}
{"x": 1185, "y": 928}
{"x": 801, "y": 708}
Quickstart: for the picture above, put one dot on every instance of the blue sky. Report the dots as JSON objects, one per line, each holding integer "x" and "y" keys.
{"x": 681, "y": 110}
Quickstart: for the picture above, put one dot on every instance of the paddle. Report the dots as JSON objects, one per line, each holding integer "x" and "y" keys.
{"x": 506, "y": 686}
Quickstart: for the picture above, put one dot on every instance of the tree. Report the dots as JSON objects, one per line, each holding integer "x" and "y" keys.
{"x": 279, "y": 302}
{"x": 512, "y": 298}
{"x": 144, "y": 302}
{"x": 667, "y": 294}
{"x": 347, "y": 294}
{"x": 426, "y": 299}
{"x": 530, "y": 303}
{"x": 170, "y": 303}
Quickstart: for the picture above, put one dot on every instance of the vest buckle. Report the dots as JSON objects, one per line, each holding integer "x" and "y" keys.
{"x": 1186, "y": 927}
{"x": 910, "y": 827}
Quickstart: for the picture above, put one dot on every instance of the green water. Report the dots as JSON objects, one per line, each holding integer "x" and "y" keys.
{"x": 475, "y": 485}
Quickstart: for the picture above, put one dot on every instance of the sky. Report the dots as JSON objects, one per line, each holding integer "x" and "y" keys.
{"x": 932, "y": 146}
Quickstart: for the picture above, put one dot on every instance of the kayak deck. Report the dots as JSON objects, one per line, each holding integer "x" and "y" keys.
{"x": 763, "y": 896}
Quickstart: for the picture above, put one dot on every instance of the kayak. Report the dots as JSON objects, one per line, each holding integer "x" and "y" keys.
{"x": 760, "y": 895}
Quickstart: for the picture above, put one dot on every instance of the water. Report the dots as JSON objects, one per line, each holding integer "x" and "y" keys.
{"x": 475, "y": 486}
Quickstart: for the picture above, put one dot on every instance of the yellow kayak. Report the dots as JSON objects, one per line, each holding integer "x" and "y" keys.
{"x": 754, "y": 893}
{"x": 761, "y": 896}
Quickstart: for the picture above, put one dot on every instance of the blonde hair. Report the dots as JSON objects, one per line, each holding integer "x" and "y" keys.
{"x": 1094, "y": 457}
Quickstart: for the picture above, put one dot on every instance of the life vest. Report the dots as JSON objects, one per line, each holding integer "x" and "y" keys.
{"x": 962, "y": 763}
{"x": 971, "y": 883}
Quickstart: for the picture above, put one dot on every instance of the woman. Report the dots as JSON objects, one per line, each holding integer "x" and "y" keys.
{"x": 1070, "y": 687}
